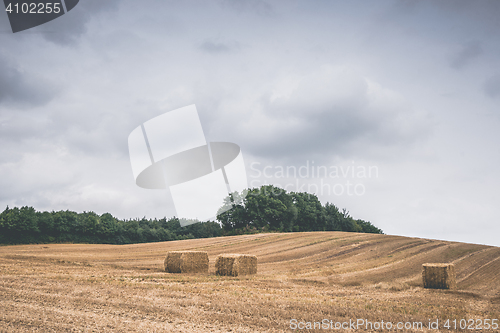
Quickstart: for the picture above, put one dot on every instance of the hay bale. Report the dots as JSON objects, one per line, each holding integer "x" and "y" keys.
{"x": 235, "y": 264}
{"x": 439, "y": 276}
{"x": 173, "y": 262}
{"x": 186, "y": 262}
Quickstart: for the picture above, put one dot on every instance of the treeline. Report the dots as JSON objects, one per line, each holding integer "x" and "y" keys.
{"x": 273, "y": 209}
{"x": 261, "y": 210}
{"x": 25, "y": 225}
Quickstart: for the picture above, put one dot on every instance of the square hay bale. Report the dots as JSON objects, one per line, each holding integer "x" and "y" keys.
{"x": 235, "y": 264}
{"x": 439, "y": 276}
{"x": 186, "y": 262}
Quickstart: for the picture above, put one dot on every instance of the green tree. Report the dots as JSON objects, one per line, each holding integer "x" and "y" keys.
{"x": 333, "y": 217}
{"x": 108, "y": 227}
{"x": 233, "y": 215}
{"x": 89, "y": 223}
{"x": 310, "y": 214}
{"x": 264, "y": 210}
{"x": 19, "y": 225}
{"x": 46, "y": 222}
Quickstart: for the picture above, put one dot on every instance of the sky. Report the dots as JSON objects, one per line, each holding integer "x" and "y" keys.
{"x": 399, "y": 101}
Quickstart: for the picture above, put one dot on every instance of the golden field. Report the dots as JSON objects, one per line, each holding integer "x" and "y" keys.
{"x": 304, "y": 276}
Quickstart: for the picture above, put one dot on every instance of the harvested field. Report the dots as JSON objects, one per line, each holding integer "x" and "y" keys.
{"x": 305, "y": 276}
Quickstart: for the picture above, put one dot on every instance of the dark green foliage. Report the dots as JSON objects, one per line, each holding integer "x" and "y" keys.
{"x": 273, "y": 209}
{"x": 19, "y": 225}
{"x": 266, "y": 209}
{"x": 25, "y": 225}
{"x": 203, "y": 230}
{"x": 368, "y": 227}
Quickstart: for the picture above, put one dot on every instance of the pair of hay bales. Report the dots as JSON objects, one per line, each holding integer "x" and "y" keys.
{"x": 439, "y": 276}
{"x": 197, "y": 262}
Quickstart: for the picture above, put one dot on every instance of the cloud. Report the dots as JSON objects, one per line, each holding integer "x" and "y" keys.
{"x": 466, "y": 55}
{"x": 68, "y": 28}
{"x": 486, "y": 13}
{"x": 217, "y": 47}
{"x": 491, "y": 86}
{"x": 34, "y": 173}
{"x": 259, "y": 7}
{"x": 333, "y": 112}
{"x": 20, "y": 89}
{"x": 445, "y": 21}
{"x": 54, "y": 178}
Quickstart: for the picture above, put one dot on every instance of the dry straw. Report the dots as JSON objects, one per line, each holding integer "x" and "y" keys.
{"x": 235, "y": 264}
{"x": 186, "y": 262}
{"x": 439, "y": 276}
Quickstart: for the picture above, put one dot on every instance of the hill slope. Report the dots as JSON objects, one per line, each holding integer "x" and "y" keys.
{"x": 333, "y": 275}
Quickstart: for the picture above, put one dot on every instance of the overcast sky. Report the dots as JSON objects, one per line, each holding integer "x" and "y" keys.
{"x": 408, "y": 88}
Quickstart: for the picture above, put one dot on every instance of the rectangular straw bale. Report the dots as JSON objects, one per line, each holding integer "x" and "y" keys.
{"x": 173, "y": 262}
{"x": 439, "y": 276}
{"x": 235, "y": 264}
{"x": 186, "y": 262}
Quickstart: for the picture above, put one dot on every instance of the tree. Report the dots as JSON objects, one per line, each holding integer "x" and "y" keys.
{"x": 108, "y": 226}
{"x": 89, "y": 223}
{"x": 272, "y": 208}
{"x": 233, "y": 214}
{"x": 310, "y": 214}
{"x": 368, "y": 227}
{"x": 46, "y": 222}
{"x": 333, "y": 217}
{"x": 264, "y": 210}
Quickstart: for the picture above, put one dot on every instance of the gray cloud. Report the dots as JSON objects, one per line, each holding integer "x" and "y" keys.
{"x": 331, "y": 113}
{"x": 259, "y": 7}
{"x": 466, "y": 55}
{"x": 491, "y": 86}
{"x": 19, "y": 89}
{"x": 447, "y": 20}
{"x": 218, "y": 47}
{"x": 486, "y": 12}
{"x": 483, "y": 14}
{"x": 4, "y": 23}
{"x": 67, "y": 29}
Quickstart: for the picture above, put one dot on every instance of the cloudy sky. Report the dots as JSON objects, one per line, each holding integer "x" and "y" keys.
{"x": 410, "y": 89}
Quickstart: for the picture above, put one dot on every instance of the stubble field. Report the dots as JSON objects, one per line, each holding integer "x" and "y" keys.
{"x": 308, "y": 277}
